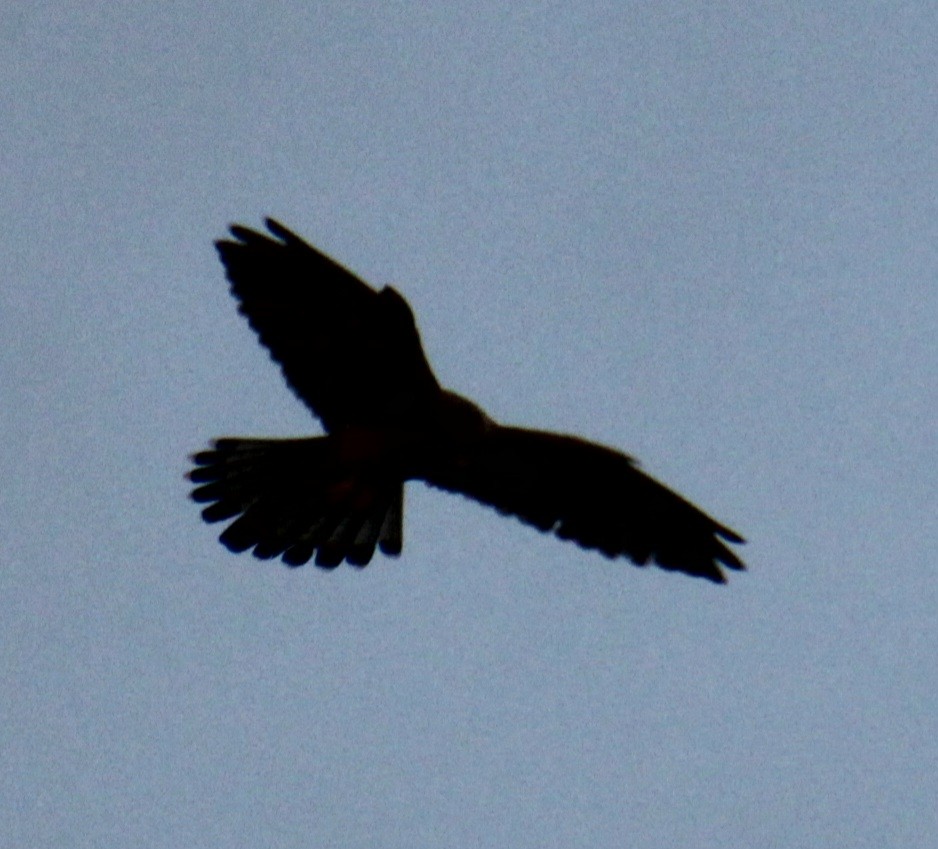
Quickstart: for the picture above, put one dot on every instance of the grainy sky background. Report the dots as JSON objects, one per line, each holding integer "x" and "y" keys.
{"x": 704, "y": 233}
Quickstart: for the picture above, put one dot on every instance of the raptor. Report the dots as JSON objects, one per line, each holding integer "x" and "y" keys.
{"x": 352, "y": 353}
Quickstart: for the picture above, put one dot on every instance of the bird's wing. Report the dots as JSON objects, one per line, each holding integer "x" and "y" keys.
{"x": 351, "y": 353}
{"x": 592, "y": 495}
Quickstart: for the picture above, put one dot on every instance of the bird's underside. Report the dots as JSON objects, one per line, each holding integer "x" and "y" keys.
{"x": 353, "y": 356}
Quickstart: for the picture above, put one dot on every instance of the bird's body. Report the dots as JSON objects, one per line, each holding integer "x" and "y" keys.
{"x": 353, "y": 355}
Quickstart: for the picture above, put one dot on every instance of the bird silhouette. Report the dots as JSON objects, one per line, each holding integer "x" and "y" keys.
{"x": 353, "y": 355}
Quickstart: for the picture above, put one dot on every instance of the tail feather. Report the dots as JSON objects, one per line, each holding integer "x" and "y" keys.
{"x": 295, "y": 499}
{"x": 391, "y": 535}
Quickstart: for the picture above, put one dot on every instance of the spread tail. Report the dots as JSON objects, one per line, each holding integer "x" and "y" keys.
{"x": 295, "y": 499}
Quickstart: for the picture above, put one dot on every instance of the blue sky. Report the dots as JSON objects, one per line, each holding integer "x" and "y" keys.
{"x": 705, "y": 234}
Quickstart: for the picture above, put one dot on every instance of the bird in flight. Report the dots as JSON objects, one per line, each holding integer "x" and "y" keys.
{"x": 353, "y": 355}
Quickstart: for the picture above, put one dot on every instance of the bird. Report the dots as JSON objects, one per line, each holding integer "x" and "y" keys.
{"x": 353, "y": 355}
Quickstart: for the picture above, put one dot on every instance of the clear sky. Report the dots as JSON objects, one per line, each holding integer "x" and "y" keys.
{"x": 703, "y": 233}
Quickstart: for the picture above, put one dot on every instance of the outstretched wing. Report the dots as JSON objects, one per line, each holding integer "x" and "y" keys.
{"x": 592, "y": 495}
{"x": 351, "y": 353}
